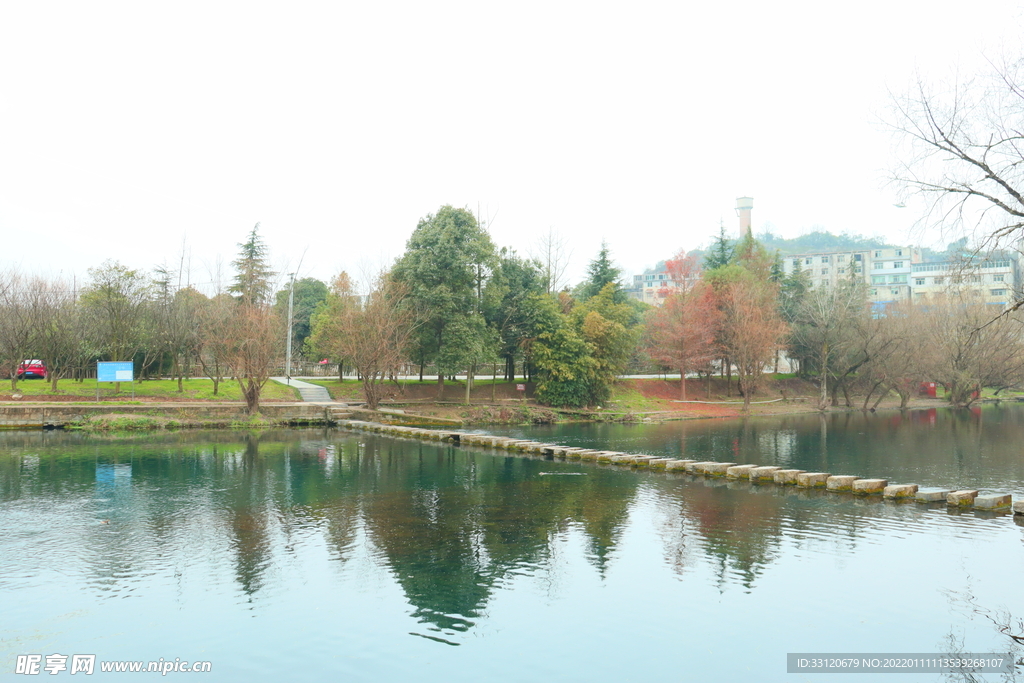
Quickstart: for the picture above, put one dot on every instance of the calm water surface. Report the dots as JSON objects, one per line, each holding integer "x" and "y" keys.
{"x": 302, "y": 554}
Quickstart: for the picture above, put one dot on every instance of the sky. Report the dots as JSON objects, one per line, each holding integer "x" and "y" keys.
{"x": 161, "y": 133}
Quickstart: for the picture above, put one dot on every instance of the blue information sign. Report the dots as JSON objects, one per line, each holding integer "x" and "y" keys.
{"x": 115, "y": 372}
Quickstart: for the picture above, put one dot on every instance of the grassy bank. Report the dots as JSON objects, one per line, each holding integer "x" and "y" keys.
{"x": 142, "y": 423}
{"x": 148, "y": 390}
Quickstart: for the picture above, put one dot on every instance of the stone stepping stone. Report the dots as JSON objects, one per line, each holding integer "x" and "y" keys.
{"x": 868, "y": 486}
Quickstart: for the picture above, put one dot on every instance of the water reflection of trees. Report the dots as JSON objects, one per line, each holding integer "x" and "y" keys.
{"x": 454, "y": 523}
{"x": 451, "y": 524}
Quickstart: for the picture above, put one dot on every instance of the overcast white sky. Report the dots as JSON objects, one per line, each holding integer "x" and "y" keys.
{"x": 130, "y": 128}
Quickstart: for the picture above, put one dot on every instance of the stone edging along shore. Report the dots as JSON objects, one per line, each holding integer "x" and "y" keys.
{"x": 877, "y": 488}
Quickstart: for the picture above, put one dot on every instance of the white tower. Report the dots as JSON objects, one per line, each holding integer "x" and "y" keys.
{"x": 743, "y": 207}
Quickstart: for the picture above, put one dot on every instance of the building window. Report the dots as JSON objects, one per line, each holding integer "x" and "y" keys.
{"x": 824, "y": 259}
{"x": 878, "y": 279}
{"x": 895, "y": 291}
{"x": 874, "y": 292}
{"x": 998, "y": 277}
{"x": 842, "y": 271}
{"x": 897, "y": 279}
{"x": 974, "y": 279}
{"x": 878, "y": 254}
{"x": 919, "y": 281}
{"x": 899, "y": 252}
{"x": 897, "y": 264}
{"x": 939, "y": 280}
{"x": 997, "y": 292}
{"x": 841, "y": 258}
{"x": 858, "y": 257}
{"x": 796, "y": 264}
{"x": 807, "y": 261}
{"x": 858, "y": 270}
{"x": 824, "y": 271}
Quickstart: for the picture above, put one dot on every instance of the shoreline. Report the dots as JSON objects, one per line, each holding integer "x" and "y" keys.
{"x": 172, "y": 415}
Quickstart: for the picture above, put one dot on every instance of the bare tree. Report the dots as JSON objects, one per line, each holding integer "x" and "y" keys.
{"x": 961, "y": 147}
{"x": 897, "y": 352}
{"x": 968, "y": 349}
{"x": 213, "y": 340}
{"x": 825, "y": 329}
{"x": 253, "y": 344}
{"x": 61, "y": 337}
{"x": 374, "y": 332}
{"x": 18, "y": 313}
{"x": 553, "y": 254}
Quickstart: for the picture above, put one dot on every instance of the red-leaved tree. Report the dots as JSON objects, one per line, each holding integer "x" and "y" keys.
{"x": 682, "y": 332}
{"x": 754, "y": 330}
{"x": 683, "y": 269}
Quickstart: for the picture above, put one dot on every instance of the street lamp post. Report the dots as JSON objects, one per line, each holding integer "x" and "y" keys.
{"x": 288, "y": 344}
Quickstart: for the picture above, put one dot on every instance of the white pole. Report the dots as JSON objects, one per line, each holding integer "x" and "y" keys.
{"x": 288, "y": 347}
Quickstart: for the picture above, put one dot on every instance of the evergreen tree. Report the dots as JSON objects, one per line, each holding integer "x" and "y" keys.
{"x": 445, "y": 266}
{"x": 600, "y": 273}
{"x": 252, "y": 282}
{"x": 722, "y": 253}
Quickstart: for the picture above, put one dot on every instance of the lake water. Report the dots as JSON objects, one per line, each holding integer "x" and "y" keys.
{"x": 301, "y": 555}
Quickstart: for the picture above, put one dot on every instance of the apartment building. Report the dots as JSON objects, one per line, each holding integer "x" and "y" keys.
{"x": 994, "y": 280}
{"x": 828, "y": 269}
{"x": 889, "y": 274}
{"x": 885, "y": 271}
{"x": 653, "y": 285}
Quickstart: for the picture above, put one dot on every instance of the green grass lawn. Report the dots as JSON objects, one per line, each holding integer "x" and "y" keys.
{"x": 197, "y": 389}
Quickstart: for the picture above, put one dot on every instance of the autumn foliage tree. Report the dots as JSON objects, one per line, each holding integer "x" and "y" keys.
{"x": 375, "y": 333}
{"x": 683, "y": 332}
{"x": 753, "y": 330}
{"x": 253, "y": 333}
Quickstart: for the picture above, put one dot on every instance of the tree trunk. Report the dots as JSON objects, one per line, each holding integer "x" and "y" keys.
{"x": 682, "y": 384}
{"x": 469, "y": 380}
{"x": 880, "y": 397}
{"x": 176, "y": 369}
{"x": 440, "y": 385}
{"x": 871, "y": 392}
{"x": 251, "y": 392}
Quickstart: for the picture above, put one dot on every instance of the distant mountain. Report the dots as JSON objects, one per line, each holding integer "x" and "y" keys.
{"x": 820, "y": 241}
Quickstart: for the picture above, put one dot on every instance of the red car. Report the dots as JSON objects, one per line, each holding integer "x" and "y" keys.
{"x": 32, "y": 369}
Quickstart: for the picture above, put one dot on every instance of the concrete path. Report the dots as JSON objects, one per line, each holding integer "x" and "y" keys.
{"x": 312, "y": 393}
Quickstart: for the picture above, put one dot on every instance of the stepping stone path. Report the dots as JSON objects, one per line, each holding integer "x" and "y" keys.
{"x": 990, "y": 503}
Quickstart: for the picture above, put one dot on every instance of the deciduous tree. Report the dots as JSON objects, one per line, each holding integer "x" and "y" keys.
{"x": 116, "y": 299}
{"x": 825, "y": 330}
{"x": 254, "y": 335}
{"x": 753, "y": 330}
{"x": 960, "y": 149}
{"x": 373, "y": 332}
{"x": 683, "y": 332}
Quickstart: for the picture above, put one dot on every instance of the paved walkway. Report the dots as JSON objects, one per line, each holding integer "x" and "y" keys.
{"x": 311, "y": 393}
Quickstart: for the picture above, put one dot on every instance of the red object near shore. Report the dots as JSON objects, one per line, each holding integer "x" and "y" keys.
{"x": 32, "y": 369}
